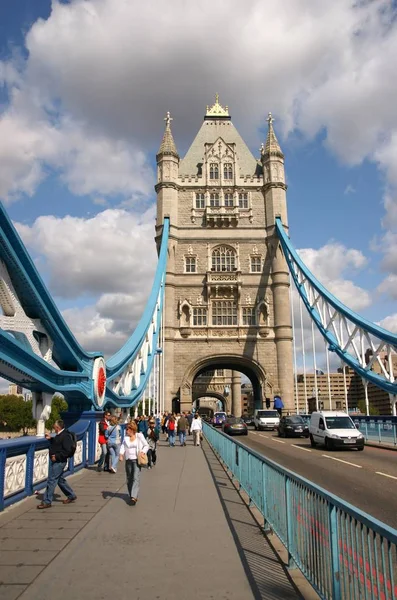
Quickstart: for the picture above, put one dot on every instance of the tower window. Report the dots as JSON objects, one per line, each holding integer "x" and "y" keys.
{"x": 256, "y": 264}
{"x": 224, "y": 312}
{"x": 190, "y": 264}
{"x": 214, "y": 171}
{"x": 243, "y": 200}
{"x": 249, "y": 315}
{"x": 199, "y": 317}
{"x": 223, "y": 259}
{"x": 214, "y": 199}
{"x": 228, "y": 199}
{"x": 200, "y": 201}
{"x": 228, "y": 171}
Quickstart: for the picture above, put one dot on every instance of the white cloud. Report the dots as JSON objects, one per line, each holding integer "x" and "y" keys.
{"x": 330, "y": 264}
{"x": 111, "y": 252}
{"x": 112, "y": 68}
{"x": 389, "y": 286}
{"x": 349, "y": 189}
{"x": 389, "y": 323}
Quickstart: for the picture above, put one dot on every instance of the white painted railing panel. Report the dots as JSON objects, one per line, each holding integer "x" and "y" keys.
{"x": 78, "y": 455}
{"x": 15, "y": 473}
{"x": 40, "y": 466}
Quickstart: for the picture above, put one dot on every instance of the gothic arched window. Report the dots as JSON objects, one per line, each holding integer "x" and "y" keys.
{"x": 214, "y": 171}
{"x": 223, "y": 259}
{"x": 228, "y": 171}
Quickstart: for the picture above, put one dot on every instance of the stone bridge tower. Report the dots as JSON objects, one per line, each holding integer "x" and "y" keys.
{"x": 227, "y": 299}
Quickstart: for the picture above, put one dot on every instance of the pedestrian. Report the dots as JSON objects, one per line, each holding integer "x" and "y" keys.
{"x": 171, "y": 430}
{"x": 62, "y": 447}
{"x": 190, "y": 419}
{"x": 132, "y": 448}
{"x": 196, "y": 428}
{"x": 102, "y": 441}
{"x": 113, "y": 436}
{"x": 278, "y": 405}
{"x": 152, "y": 438}
{"x": 164, "y": 422}
{"x": 143, "y": 425}
{"x": 182, "y": 426}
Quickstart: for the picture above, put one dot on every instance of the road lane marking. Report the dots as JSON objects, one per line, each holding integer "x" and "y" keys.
{"x": 279, "y": 441}
{"x": 301, "y": 448}
{"x": 265, "y": 436}
{"x": 342, "y": 461}
{"x": 385, "y": 474}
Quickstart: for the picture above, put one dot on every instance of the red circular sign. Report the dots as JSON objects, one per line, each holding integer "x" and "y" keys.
{"x": 101, "y": 381}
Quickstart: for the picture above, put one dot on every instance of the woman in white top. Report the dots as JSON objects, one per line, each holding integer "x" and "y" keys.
{"x": 196, "y": 428}
{"x": 133, "y": 444}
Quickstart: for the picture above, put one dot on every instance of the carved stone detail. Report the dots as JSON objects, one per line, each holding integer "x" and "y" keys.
{"x": 15, "y": 474}
{"x": 40, "y": 466}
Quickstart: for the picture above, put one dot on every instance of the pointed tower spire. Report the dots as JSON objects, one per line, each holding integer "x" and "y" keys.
{"x": 167, "y": 145}
{"x": 272, "y": 147}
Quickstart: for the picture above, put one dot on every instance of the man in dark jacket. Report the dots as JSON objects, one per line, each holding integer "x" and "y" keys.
{"x": 183, "y": 425}
{"x": 61, "y": 448}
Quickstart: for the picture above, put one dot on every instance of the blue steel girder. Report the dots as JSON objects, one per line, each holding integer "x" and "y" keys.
{"x": 37, "y": 348}
{"x": 359, "y": 343}
{"x": 129, "y": 369}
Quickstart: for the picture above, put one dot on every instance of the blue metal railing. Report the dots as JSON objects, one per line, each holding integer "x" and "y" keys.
{"x": 343, "y": 552}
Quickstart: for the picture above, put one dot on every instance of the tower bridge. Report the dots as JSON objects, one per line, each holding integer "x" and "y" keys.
{"x": 220, "y": 302}
{"x": 227, "y": 284}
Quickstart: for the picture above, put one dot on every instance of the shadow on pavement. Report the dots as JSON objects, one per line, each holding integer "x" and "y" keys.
{"x": 266, "y": 574}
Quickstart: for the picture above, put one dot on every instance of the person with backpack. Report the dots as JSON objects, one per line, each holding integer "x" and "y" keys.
{"x": 171, "y": 431}
{"x": 62, "y": 446}
{"x": 152, "y": 438}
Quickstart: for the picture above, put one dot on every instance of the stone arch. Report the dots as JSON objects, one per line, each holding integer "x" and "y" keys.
{"x": 251, "y": 368}
{"x": 212, "y": 394}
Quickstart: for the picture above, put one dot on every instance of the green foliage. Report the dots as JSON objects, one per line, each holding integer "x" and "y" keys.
{"x": 58, "y": 405}
{"x": 15, "y": 413}
{"x": 372, "y": 410}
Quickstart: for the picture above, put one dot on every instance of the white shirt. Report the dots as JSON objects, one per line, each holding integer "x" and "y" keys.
{"x": 130, "y": 449}
{"x": 196, "y": 425}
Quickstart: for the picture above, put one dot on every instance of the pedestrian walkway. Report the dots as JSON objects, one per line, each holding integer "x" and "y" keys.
{"x": 189, "y": 536}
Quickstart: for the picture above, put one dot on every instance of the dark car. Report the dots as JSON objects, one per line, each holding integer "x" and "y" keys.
{"x": 218, "y": 419}
{"x": 248, "y": 419}
{"x": 293, "y": 426}
{"x": 235, "y": 426}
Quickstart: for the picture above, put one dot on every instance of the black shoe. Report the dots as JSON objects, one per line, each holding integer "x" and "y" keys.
{"x": 133, "y": 501}
{"x": 99, "y": 469}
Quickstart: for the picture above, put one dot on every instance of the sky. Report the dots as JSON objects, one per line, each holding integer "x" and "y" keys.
{"x": 84, "y": 88}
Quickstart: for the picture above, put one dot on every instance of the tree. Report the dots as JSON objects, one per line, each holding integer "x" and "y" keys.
{"x": 372, "y": 410}
{"x": 58, "y": 405}
{"x": 16, "y": 413}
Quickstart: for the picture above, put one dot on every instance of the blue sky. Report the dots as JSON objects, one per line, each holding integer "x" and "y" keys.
{"x": 84, "y": 87}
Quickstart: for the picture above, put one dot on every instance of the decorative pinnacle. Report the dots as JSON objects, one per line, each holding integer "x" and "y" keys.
{"x": 167, "y": 145}
{"x": 168, "y": 119}
{"x": 217, "y": 110}
{"x": 272, "y": 147}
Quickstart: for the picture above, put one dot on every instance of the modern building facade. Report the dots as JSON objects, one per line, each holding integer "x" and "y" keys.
{"x": 227, "y": 300}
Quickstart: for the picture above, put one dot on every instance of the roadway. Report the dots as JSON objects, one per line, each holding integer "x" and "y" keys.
{"x": 367, "y": 480}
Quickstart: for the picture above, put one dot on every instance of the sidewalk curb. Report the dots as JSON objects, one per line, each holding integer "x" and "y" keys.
{"x": 380, "y": 445}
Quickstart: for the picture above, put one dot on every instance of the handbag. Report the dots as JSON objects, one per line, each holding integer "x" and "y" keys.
{"x": 142, "y": 458}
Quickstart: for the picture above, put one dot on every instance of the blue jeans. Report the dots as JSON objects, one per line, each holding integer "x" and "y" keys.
{"x": 171, "y": 438}
{"x": 133, "y": 472}
{"x": 102, "y": 458}
{"x": 55, "y": 476}
{"x": 182, "y": 437}
{"x": 114, "y": 450}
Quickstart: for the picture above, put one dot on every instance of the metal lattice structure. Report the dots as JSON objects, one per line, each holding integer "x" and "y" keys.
{"x": 359, "y": 343}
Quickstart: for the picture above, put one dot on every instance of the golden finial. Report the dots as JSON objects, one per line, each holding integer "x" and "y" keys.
{"x": 270, "y": 119}
{"x": 217, "y": 110}
{"x": 168, "y": 119}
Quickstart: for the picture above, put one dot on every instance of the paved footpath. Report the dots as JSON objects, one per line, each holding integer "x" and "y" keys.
{"x": 189, "y": 536}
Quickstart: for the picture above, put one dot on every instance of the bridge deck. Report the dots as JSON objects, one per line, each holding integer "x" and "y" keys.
{"x": 190, "y": 535}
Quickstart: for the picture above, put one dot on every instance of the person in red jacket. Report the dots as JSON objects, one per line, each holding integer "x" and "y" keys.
{"x": 102, "y": 441}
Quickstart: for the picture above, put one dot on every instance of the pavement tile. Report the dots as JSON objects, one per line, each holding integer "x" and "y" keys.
{"x": 37, "y": 544}
{"x": 45, "y": 533}
{"x": 62, "y": 523}
{"x": 19, "y": 574}
{"x": 11, "y": 592}
{"x": 24, "y": 557}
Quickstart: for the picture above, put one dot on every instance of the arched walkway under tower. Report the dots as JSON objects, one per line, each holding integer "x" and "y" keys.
{"x": 261, "y": 386}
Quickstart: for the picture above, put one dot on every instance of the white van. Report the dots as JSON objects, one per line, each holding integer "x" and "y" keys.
{"x": 266, "y": 419}
{"x": 334, "y": 429}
